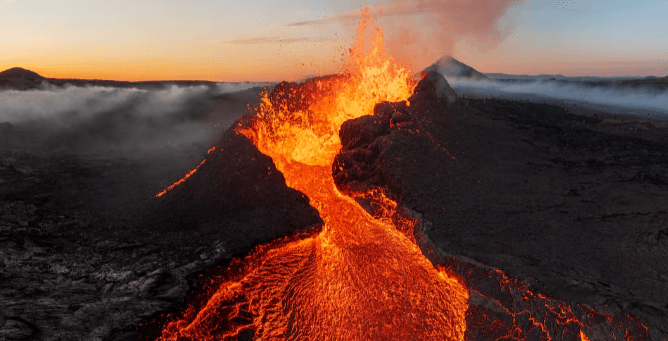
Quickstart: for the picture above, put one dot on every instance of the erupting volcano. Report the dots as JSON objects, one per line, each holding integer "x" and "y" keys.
{"x": 362, "y": 275}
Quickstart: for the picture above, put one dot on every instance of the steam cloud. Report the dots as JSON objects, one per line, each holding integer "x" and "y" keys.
{"x": 422, "y": 31}
{"x": 447, "y": 21}
{"x": 96, "y": 118}
{"x": 622, "y": 99}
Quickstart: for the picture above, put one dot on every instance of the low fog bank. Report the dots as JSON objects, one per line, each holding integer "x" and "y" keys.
{"x": 638, "y": 101}
{"x": 121, "y": 120}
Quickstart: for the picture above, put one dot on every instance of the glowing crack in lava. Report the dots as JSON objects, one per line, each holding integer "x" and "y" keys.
{"x": 185, "y": 177}
{"x": 360, "y": 278}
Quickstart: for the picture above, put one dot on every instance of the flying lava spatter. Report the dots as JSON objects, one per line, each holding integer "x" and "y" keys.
{"x": 360, "y": 278}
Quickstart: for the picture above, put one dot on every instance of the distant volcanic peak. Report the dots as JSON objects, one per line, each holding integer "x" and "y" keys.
{"x": 451, "y": 67}
{"x": 19, "y": 73}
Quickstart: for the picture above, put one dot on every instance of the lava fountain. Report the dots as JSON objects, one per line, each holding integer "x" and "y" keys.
{"x": 360, "y": 277}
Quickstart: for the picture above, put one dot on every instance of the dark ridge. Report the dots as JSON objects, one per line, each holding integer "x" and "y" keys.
{"x": 21, "y": 79}
{"x": 147, "y": 85}
{"x": 19, "y": 73}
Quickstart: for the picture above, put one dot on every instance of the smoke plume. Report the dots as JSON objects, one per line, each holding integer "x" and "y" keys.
{"x": 95, "y": 119}
{"x": 618, "y": 99}
{"x": 422, "y": 31}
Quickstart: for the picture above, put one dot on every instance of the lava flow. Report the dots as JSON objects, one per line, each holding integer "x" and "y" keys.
{"x": 360, "y": 277}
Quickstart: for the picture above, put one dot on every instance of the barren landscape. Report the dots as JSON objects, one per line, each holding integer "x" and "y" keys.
{"x": 408, "y": 170}
{"x": 569, "y": 207}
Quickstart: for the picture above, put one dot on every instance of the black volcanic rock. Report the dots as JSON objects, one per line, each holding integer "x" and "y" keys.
{"x": 364, "y": 130}
{"x": 376, "y": 148}
{"x": 237, "y": 195}
{"x": 538, "y": 193}
{"x": 433, "y": 90}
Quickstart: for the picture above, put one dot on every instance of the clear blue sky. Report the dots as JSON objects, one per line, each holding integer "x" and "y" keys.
{"x": 257, "y": 40}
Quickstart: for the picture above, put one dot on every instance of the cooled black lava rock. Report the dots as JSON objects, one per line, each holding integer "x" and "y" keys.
{"x": 363, "y": 130}
{"x": 376, "y": 148}
{"x": 237, "y": 195}
{"x": 433, "y": 89}
{"x": 494, "y": 181}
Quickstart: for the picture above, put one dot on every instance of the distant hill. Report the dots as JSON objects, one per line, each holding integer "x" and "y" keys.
{"x": 17, "y": 73}
{"x": 450, "y": 67}
{"x": 653, "y": 82}
{"x": 21, "y": 79}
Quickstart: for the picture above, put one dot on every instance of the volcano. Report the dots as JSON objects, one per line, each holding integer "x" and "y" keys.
{"x": 300, "y": 289}
{"x": 357, "y": 145}
{"x": 450, "y": 67}
{"x": 361, "y": 205}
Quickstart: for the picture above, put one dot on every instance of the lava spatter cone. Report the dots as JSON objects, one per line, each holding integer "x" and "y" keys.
{"x": 360, "y": 277}
{"x": 365, "y": 276}
{"x": 235, "y": 195}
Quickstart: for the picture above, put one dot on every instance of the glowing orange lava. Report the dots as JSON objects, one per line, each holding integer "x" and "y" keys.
{"x": 360, "y": 278}
{"x": 183, "y": 179}
{"x": 583, "y": 337}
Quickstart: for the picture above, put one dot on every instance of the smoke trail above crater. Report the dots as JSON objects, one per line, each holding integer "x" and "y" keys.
{"x": 421, "y": 31}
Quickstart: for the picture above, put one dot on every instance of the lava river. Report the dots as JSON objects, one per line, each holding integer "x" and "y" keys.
{"x": 360, "y": 277}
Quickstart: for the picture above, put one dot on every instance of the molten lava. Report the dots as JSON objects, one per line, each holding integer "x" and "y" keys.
{"x": 185, "y": 177}
{"x": 360, "y": 278}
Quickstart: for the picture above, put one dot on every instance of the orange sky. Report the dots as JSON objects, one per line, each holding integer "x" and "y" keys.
{"x": 289, "y": 40}
{"x": 215, "y": 61}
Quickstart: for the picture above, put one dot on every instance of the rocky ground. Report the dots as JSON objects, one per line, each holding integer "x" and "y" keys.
{"x": 74, "y": 263}
{"x": 85, "y": 254}
{"x": 574, "y": 206}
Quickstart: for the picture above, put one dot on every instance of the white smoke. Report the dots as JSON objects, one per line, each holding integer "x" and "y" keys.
{"x": 622, "y": 99}
{"x": 97, "y": 118}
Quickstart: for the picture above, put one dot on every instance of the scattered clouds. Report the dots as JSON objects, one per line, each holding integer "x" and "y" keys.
{"x": 273, "y": 40}
{"x": 422, "y": 31}
{"x": 349, "y": 16}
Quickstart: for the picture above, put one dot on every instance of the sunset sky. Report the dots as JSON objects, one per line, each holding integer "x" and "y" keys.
{"x": 254, "y": 40}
